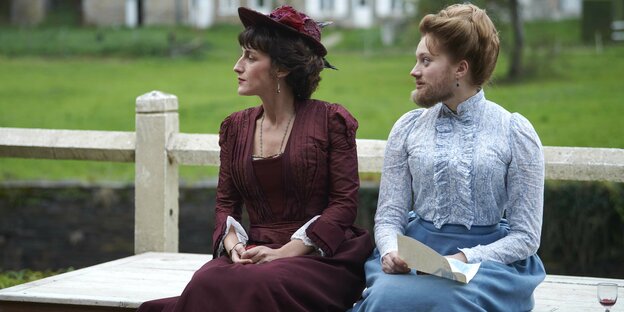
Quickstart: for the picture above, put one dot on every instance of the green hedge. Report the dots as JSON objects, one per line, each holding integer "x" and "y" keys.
{"x": 582, "y": 233}
{"x": 583, "y": 230}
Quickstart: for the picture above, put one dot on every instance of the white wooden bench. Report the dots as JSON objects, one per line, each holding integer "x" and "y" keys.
{"x": 157, "y": 271}
{"x": 122, "y": 285}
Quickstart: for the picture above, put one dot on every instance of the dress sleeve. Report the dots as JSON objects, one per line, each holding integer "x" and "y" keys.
{"x": 238, "y": 229}
{"x": 525, "y": 204}
{"x": 329, "y": 230}
{"x": 395, "y": 188}
{"x": 228, "y": 199}
{"x": 300, "y": 234}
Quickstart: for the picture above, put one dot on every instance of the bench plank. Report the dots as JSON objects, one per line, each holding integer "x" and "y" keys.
{"x": 125, "y": 283}
{"x": 572, "y": 293}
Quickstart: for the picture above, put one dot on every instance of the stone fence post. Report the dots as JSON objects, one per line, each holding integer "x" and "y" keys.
{"x": 156, "y": 175}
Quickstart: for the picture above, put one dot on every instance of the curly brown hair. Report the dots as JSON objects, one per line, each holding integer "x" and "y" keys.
{"x": 288, "y": 52}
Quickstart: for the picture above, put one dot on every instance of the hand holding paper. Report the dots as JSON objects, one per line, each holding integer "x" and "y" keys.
{"x": 422, "y": 258}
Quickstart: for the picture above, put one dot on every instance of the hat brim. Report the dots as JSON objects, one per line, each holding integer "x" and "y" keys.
{"x": 251, "y": 18}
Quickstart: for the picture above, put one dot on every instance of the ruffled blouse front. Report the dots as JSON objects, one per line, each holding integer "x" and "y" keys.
{"x": 469, "y": 167}
{"x": 453, "y": 152}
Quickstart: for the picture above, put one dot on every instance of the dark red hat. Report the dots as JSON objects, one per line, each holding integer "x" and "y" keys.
{"x": 287, "y": 18}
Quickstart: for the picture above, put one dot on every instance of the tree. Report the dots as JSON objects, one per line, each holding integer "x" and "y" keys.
{"x": 515, "y": 64}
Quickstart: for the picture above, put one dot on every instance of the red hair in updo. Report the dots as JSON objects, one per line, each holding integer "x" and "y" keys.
{"x": 465, "y": 32}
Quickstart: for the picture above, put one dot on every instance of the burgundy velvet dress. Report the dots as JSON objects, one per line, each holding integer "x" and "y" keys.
{"x": 316, "y": 175}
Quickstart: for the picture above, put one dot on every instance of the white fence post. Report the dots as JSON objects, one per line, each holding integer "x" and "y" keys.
{"x": 156, "y": 175}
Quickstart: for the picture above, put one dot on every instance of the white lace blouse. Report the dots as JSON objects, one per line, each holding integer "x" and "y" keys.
{"x": 470, "y": 168}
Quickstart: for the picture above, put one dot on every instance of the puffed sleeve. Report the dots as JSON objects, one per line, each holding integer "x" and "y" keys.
{"x": 395, "y": 188}
{"x": 228, "y": 199}
{"x": 329, "y": 230}
{"x": 525, "y": 193}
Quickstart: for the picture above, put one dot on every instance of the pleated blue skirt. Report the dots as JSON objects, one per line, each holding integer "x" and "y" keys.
{"x": 496, "y": 287}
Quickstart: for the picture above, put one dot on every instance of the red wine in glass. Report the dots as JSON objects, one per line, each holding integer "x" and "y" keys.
{"x": 607, "y": 294}
{"x": 607, "y": 303}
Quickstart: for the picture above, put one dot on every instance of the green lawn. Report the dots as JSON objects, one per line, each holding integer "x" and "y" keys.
{"x": 576, "y": 100}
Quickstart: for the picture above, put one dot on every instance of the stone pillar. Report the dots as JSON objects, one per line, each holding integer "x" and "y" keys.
{"x": 156, "y": 175}
{"x": 28, "y": 12}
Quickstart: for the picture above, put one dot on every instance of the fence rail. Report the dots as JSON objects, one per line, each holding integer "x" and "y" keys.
{"x": 562, "y": 163}
{"x": 113, "y": 146}
{"x": 158, "y": 149}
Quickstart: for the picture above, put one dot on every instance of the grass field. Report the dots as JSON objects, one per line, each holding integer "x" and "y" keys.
{"x": 575, "y": 98}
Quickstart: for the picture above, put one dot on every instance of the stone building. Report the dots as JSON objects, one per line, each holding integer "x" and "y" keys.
{"x": 27, "y": 12}
{"x": 550, "y": 9}
{"x": 205, "y": 13}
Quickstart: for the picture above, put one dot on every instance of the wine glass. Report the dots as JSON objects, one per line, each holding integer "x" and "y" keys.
{"x": 607, "y": 294}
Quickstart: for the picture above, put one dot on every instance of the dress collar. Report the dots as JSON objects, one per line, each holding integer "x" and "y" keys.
{"x": 466, "y": 107}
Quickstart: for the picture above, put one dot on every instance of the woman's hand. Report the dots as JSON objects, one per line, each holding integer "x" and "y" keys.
{"x": 234, "y": 248}
{"x": 236, "y": 253}
{"x": 459, "y": 256}
{"x": 261, "y": 254}
{"x": 393, "y": 264}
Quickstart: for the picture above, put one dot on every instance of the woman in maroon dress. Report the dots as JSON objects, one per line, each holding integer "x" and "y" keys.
{"x": 292, "y": 163}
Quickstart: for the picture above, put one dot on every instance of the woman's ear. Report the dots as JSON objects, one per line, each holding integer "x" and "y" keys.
{"x": 281, "y": 73}
{"x": 278, "y": 73}
{"x": 462, "y": 69}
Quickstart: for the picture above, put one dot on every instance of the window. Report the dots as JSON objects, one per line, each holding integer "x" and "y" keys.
{"x": 327, "y": 5}
{"x": 396, "y": 6}
{"x": 262, "y": 6}
{"x": 228, "y": 7}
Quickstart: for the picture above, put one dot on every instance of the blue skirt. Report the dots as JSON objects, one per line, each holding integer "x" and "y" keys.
{"x": 496, "y": 287}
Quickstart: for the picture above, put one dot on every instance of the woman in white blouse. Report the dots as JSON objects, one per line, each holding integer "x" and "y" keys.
{"x": 462, "y": 175}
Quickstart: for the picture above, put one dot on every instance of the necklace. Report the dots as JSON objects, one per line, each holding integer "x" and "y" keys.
{"x": 283, "y": 137}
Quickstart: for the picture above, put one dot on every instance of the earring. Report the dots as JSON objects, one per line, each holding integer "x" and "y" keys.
{"x": 278, "y": 87}
{"x": 457, "y": 82}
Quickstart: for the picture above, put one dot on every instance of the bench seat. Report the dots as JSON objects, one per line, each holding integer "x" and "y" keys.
{"x": 123, "y": 284}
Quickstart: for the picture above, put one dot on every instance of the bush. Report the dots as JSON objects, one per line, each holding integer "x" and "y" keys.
{"x": 583, "y": 231}
{"x": 60, "y": 41}
{"x": 12, "y": 278}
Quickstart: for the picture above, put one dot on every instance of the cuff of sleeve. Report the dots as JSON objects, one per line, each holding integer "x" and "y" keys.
{"x": 386, "y": 240}
{"x": 301, "y": 235}
{"x": 240, "y": 233}
{"x": 472, "y": 256}
{"x": 381, "y": 255}
{"x": 386, "y": 250}
{"x": 326, "y": 236}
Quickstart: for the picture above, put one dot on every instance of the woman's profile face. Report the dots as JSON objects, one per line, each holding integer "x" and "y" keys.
{"x": 254, "y": 73}
{"x": 433, "y": 71}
